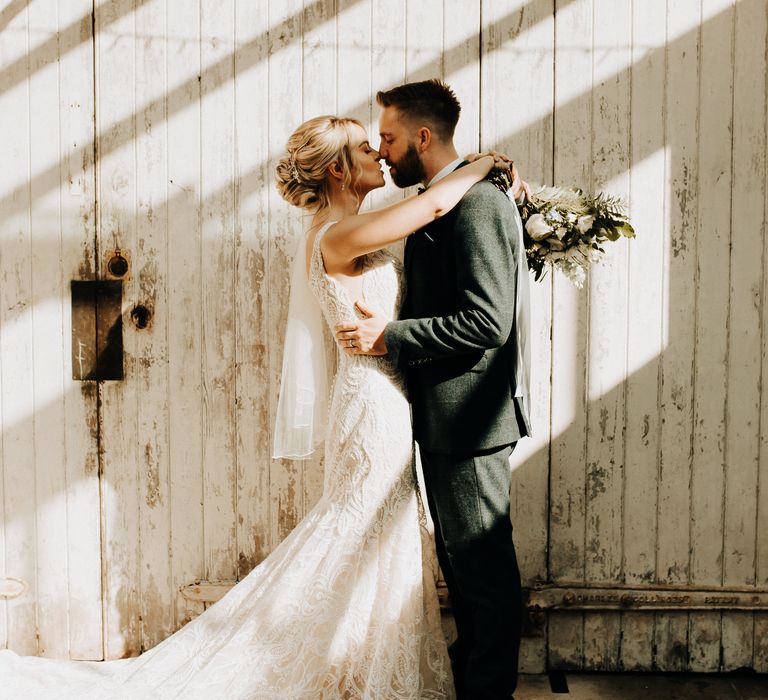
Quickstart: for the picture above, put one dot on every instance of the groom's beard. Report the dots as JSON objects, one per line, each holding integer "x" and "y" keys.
{"x": 409, "y": 169}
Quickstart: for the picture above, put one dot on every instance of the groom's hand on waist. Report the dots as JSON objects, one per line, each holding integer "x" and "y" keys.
{"x": 366, "y": 337}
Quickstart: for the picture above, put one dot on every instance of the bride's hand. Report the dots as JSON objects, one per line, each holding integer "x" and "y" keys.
{"x": 500, "y": 160}
{"x": 519, "y": 187}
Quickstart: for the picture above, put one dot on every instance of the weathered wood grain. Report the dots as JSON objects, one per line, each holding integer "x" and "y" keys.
{"x": 607, "y": 354}
{"x": 348, "y": 69}
{"x": 761, "y": 580}
{"x": 388, "y": 68}
{"x": 644, "y": 330}
{"x": 424, "y": 40}
{"x": 568, "y": 450}
{"x": 711, "y": 350}
{"x": 185, "y": 250}
{"x": 680, "y": 211}
{"x": 150, "y": 264}
{"x": 462, "y": 67}
{"x": 117, "y": 75}
{"x": 251, "y": 290}
{"x": 746, "y": 334}
{"x": 49, "y": 290}
{"x": 285, "y": 226}
{"x": 330, "y": 67}
{"x": 516, "y": 45}
{"x": 217, "y": 133}
{"x": 16, "y": 349}
{"x": 78, "y": 261}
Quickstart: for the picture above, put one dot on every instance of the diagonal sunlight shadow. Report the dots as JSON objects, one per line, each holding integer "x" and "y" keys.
{"x": 189, "y": 92}
{"x": 8, "y": 13}
{"x": 251, "y": 181}
{"x": 212, "y": 78}
{"x": 62, "y": 42}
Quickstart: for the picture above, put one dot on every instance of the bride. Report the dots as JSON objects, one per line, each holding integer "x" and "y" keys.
{"x": 345, "y": 607}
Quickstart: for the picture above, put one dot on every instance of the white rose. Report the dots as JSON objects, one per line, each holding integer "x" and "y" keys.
{"x": 537, "y": 227}
{"x": 585, "y": 223}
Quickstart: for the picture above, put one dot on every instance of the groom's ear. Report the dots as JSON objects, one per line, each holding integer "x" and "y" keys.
{"x": 423, "y": 138}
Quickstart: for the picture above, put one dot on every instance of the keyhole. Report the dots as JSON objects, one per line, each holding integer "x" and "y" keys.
{"x": 117, "y": 265}
{"x": 140, "y": 316}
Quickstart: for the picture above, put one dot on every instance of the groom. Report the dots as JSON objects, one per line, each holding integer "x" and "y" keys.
{"x": 457, "y": 343}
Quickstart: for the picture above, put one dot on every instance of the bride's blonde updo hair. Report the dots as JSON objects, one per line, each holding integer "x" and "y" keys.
{"x": 302, "y": 174}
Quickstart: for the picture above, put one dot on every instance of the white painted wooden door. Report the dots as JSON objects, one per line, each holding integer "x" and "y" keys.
{"x": 50, "y": 549}
{"x": 158, "y": 136}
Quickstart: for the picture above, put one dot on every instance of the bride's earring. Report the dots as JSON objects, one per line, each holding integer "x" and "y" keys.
{"x": 342, "y": 186}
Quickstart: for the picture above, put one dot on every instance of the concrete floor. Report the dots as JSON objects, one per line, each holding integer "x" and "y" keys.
{"x": 608, "y": 686}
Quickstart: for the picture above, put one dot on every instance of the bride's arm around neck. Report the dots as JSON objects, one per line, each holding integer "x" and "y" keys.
{"x": 356, "y": 235}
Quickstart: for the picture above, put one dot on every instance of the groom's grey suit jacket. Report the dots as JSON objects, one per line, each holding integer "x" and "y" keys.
{"x": 455, "y": 337}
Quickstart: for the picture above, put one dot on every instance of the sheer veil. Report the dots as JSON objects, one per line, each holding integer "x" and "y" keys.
{"x": 302, "y": 408}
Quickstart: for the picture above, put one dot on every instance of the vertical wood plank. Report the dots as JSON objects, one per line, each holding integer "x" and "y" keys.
{"x": 761, "y": 619}
{"x": 150, "y": 265}
{"x": 644, "y": 343}
{"x": 462, "y": 36}
{"x": 572, "y": 165}
{"x": 78, "y": 261}
{"x": 606, "y": 370}
{"x": 116, "y": 83}
{"x": 745, "y": 330}
{"x": 423, "y": 49}
{"x": 352, "y": 66}
{"x": 321, "y": 84}
{"x": 252, "y": 233}
{"x": 424, "y": 40}
{"x": 356, "y": 79}
{"x": 48, "y": 302}
{"x": 17, "y": 345}
{"x": 711, "y": 350}
{"x": 760, "y": 662}
{"x": 516, "y": 45}
{"x": 285, "y": 225}
{"x": 679, "y": 333}
{"x": 737, "y": 637}
{"x": 217, "y": 192}
{"x": 185, "y": 250}
{"x": 388, "y": 68}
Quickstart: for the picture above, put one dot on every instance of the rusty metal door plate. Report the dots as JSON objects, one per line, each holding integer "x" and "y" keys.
{"x": 97, "y": 330}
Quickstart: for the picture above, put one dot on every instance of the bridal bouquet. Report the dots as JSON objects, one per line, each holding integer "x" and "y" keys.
{"x": 566, "y": 229}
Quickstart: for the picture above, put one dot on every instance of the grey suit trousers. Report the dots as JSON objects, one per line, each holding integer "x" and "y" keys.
{"x": 468, "y": 498}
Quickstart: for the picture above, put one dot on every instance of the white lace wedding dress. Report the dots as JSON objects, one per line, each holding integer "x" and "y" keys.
{"x": 345, "y": 607}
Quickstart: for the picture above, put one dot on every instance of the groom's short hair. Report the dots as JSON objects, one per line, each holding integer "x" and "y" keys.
{"x": 428, "y": 101}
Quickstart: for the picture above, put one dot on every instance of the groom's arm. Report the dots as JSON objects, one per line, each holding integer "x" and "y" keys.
{"x": 485, "y": 260}
{"x": 485, "y": 279}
